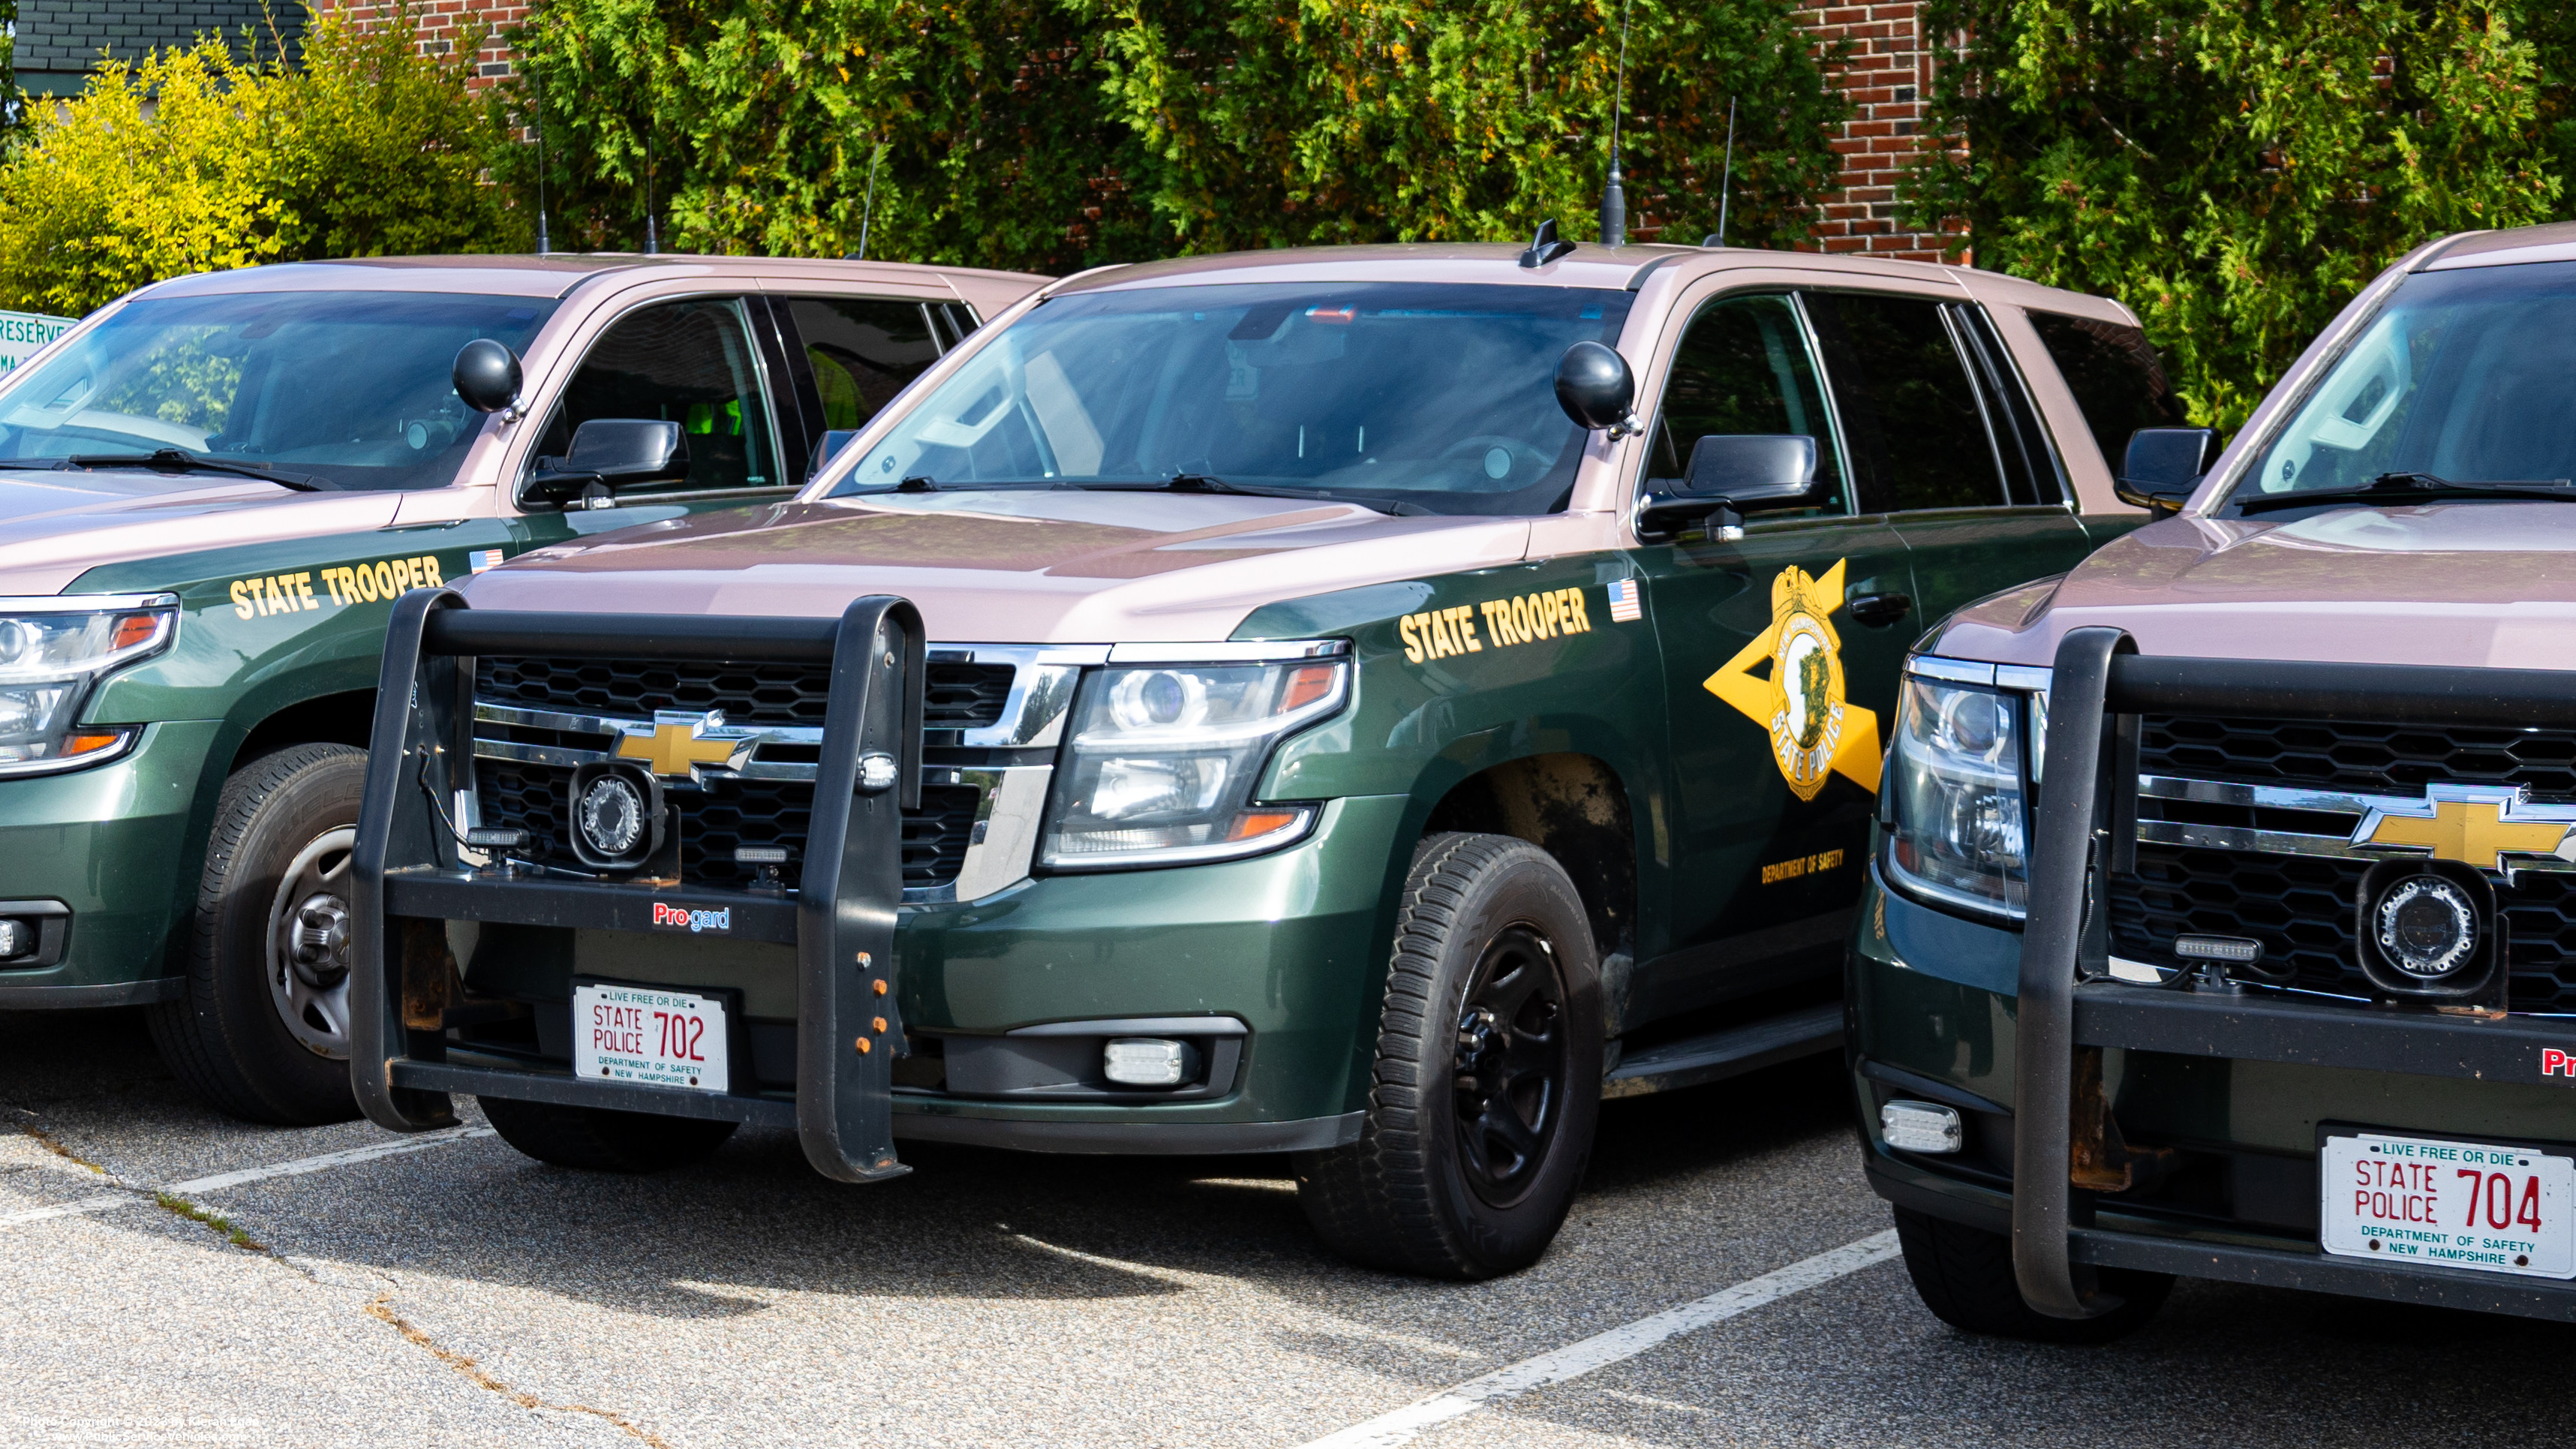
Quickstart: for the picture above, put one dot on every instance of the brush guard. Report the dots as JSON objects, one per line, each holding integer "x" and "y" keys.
{"x": 410, "y": 877}
{"x": 2084, "y": 829}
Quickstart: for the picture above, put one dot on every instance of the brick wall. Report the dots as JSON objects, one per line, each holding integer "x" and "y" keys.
{"x": 442, "y": 23}
{"x": 1886, "y": 75}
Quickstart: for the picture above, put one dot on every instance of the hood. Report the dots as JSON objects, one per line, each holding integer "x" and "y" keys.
{"x": 57, "y": 525}
{"x": 2479, "y": 584}
{"x": 1058, "y": 566}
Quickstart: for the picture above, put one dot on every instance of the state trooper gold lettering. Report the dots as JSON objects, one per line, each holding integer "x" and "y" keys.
{"x": 1522, "y": 619}
{"x": 367, "y": 583}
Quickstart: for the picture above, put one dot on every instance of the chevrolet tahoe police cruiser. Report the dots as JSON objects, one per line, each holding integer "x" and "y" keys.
{"x": 2280, "y": 988}
{"x": 211, "y": 492}
{"x": 1365, "y": 703}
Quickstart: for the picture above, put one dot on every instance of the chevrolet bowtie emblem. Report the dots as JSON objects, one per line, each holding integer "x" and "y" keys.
{"x": 681, "y": 742}
{"x": 2475, "y": 825}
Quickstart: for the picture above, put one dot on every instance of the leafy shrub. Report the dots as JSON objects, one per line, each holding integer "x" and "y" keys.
{"x": 194, "y": 160}
{"x": 1052, "y": 134}
{"x": 2235, "y": 173}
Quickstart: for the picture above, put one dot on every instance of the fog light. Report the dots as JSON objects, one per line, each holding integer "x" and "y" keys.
{"x": 2427, "y": 926}
{"x": 1921, "y": 1127}
{"x": 17, "y": 938}
{"x": 1137, "y": 1061}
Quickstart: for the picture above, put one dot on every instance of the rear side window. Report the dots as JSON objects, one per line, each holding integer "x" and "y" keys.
{"x": 862, "y": 352}
{"x": 1910, "y": 413}
{"x": 2118, "y": 381}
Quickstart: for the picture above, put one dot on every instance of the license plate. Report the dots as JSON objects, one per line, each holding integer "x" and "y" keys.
{"x": 2446, "y": 1204}
{"x": 649, "y": 1037}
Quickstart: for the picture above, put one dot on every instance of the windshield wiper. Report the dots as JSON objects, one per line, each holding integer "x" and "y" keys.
{"x": 1207, "y": 483}
{"x": 2390, "y": 489}
{"x": 174, "y": 460}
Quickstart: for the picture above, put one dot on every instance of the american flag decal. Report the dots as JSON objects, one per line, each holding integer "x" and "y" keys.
{"x": 1623, "y": 601}
{"x": 482, "y": 559}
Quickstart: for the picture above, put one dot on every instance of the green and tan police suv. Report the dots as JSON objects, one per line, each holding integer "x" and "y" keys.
{"x": 1364, "y": 703}
{"x": 212, "y": 491}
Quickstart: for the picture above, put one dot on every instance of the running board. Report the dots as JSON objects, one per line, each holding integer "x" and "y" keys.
{"x": 1728, "y": 1053}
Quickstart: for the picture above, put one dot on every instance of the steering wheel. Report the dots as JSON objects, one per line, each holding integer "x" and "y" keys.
{"x": 1501, "y": 457}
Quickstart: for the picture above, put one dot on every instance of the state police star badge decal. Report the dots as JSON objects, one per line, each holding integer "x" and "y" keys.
{"x": 1815, "y": 732}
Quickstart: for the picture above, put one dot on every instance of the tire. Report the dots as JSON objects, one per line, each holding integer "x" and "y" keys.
{"x": 260, "y": 1031}
{"x": 1450, "y": 1178}
{"x": 597, "y": 1140}
{"x": 1965, "y": 1276}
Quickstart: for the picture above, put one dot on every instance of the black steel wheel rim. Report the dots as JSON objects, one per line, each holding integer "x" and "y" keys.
{"x": 1507, "y": 1079}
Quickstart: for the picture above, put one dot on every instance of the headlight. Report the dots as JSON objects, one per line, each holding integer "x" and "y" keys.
{"x": 1163, "y": 759}
{"x": 1960, "y": 832}
{"x": 51, "y": 651}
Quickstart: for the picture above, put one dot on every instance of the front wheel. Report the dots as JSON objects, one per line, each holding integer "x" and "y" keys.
{"x": 1965, "y": 1276}
{"x": 262, "y": 1029}
{"x": 1488, "y": 1073}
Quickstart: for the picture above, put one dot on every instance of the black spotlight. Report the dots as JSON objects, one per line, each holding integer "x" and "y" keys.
{"x": 616, "y": 816}
{"x": 2429, "y": 932}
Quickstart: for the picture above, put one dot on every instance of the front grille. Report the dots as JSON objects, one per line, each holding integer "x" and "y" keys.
{"x": 2377, "y": 759}
{"x": 727, "y": 812}
{"x": 2303, "y": 908}
{"x": 2299, "y": 907}
{"x": 955, "y": 695}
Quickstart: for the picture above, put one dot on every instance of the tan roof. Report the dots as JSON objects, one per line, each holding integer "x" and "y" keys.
{"x": 556, "y": 274}
{"x": 1588, "y": 265}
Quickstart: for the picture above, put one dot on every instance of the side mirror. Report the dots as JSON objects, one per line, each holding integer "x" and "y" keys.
{"x": 2163, "y": 466}
{"x": 1731, "y": 475}
{"x": 487, "y": 375}
{"x": 1595, "y": 388}
{"x": 608, "y": 454}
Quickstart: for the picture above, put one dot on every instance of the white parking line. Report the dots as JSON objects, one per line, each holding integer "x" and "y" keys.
{"x": 134, "y": 1197}
{"x": 1603, "y": 1349}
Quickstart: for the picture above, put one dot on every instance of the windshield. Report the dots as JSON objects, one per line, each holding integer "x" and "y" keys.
{"x": 2463, "y": 375}
{"x": 350, "y": 388}
{"x": 1438, "y": 396}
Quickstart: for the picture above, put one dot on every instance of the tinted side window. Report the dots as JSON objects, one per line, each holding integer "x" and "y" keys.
{"x": 2118, "y": 381}
{"x": 1741, "y": 368}
{"x": 2032, "y": 473}
{"x": 684, "y": 362}
{"x": 862, "y": 352}
{"x": 1918, "y": 438}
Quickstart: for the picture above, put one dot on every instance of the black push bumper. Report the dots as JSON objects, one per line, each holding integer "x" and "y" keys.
{"x": 410, "y": 877}
{"x": 2085, "y": 821}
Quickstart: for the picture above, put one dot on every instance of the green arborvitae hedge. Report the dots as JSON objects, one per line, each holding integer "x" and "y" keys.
{"x": 1055, "y": 134}
{"x": 2236, "y": 172}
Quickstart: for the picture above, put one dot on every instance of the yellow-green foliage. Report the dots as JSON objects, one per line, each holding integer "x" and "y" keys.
{"x": 195, "y": 161}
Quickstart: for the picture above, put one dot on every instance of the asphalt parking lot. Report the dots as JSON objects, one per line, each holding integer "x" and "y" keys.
{"x": 458, "y": 1294}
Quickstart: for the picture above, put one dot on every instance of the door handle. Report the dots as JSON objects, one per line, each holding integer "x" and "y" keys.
{"x": 1876, "y": 609}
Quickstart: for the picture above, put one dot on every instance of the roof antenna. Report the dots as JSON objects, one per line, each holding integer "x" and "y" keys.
{"x": 869, "y": 214}
{"x": 652, "y": 241}
{"x": 1614, "y": 201}
{"x": 1725, "y": 180}
{"x": 1545, "y": 245}
{"x": 537, "y": 95}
